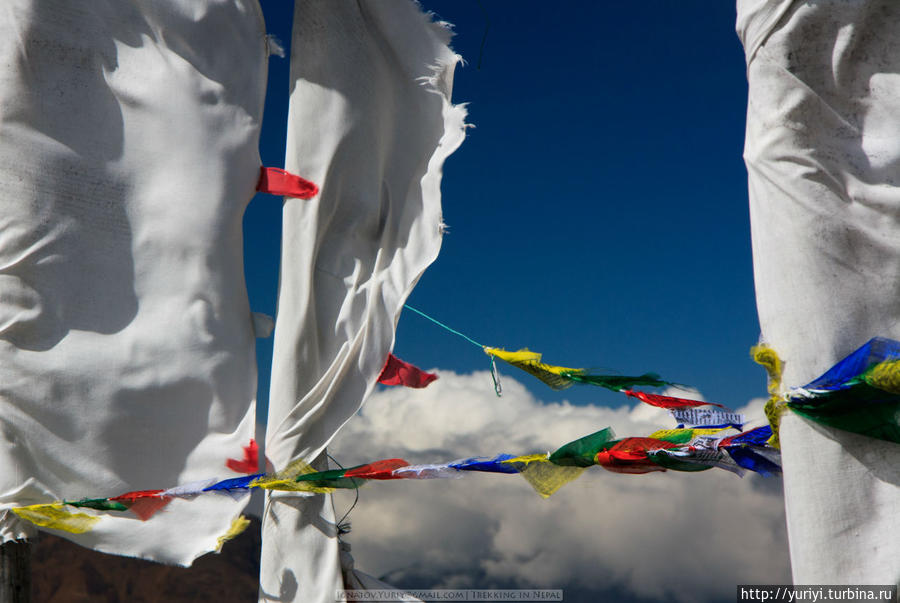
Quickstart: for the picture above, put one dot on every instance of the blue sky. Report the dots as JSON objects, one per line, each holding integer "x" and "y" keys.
{"x": 598, "y": 214}
{"x": 598, "y": 209}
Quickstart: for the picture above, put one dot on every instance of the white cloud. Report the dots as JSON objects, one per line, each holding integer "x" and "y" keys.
{"x": 672, "y": 536}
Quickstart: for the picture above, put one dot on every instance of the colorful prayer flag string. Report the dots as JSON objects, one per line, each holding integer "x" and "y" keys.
{"x": 557, "y": 377}
{"x": 691, "y": 449}
{"x": 860, "y": 394}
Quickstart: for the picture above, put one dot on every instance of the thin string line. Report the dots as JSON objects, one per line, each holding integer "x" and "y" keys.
{"x": 343, "y": 528}
{"x": 440, "y": 324}
{"x": 495, "y": 375}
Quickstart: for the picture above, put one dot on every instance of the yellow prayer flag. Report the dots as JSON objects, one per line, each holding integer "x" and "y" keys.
{"x": 688, "y": 433}
{"x": 546, "y": 477}
{"x": 286, "y": 479}
{"x": 530, "y": 362}
{"x": 775, "y": 406}
{"x": 55, "y": 517}
{"x": 527, "y": 459}
{"x": 237, "y": 527}
{"x": 290, "y": 485}
{"x": 885, "y": 376}
{"x": 293, "y": 469}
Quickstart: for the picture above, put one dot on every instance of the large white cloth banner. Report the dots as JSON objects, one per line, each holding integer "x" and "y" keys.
{"x": 371, "y": 122}
{"x": 128, "y": 152}
{"x": 823, "y": 156}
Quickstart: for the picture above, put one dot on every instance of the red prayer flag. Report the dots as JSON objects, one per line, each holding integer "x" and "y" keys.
{"x": 398, "y": 372}
{"x": 143, "y": 503}
{"x": 377, "y": 470}
{"x": 145, "y": 508}
{"x": 136, "y": 495}
{"x": 250, "y": 462}
{"x": 630, "y": 455}
{"x": 666, "y": 401}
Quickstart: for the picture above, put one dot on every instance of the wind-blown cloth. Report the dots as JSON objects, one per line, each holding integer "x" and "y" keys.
{"x": 370, "y": 121}
{"x": 128, "y": 152}
{"x": 823, "y": 157}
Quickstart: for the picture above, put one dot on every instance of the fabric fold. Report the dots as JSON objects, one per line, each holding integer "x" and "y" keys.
{"x": 129, "y": 138}
{"x": 823, "y": 121}
{"x": 361, "y": 74}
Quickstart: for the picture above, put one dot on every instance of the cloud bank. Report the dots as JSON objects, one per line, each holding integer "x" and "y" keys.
{"x": 661, "y": 536}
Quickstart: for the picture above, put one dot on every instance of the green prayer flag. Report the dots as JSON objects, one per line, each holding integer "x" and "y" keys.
{"x": 101, "y": 504}
{"x": 582, "y": 451}
{"x": 860, "y": 408}
{"x": 333, "y": 478}
{"x": 664, "y": 459}
{"x": 617, "y": 382}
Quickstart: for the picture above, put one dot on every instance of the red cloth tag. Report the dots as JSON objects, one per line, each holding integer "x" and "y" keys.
{"x": 250, "y": 462}
{"x": 398, "y": 372}
{"x": 276, "y": 181}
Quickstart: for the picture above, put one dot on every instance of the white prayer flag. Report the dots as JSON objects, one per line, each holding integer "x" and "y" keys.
{"x": 370, "y": 121}
{"x": 128, "y": 152}
{"x": 823, "y": 156}
{"x": 706, "y": 416}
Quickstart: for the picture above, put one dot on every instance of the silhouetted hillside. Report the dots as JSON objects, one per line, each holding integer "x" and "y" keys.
{"x": 63, "y": 572}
